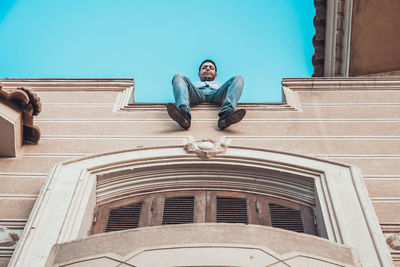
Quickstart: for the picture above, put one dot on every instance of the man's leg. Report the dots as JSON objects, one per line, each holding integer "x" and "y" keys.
{"x": 184, "y": 93}
{"x": 229, "y": 94}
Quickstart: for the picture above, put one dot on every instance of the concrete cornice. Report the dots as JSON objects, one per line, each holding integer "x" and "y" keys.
{"x": 86, "y": 84}
{"x": 343, "y": 83}
{"x": 331, "y": 41}
{"x": 126, "y": 86}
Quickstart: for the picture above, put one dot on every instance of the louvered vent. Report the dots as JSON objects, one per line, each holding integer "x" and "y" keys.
{"x": 286, "y": 218}
{"x": 231, "y": 210}
{"x": 178, "y": 210}
{"x": 122, "y": 218}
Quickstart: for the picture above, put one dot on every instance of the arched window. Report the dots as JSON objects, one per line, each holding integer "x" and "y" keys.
{"x": 168, "y": 185}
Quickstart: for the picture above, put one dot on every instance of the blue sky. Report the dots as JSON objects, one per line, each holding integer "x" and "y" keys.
{"x": 150, "y": 41}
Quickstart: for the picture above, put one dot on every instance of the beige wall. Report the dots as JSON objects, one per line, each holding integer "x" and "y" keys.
{"x": 354, "y": 121}
{"x": 375, "y": 37}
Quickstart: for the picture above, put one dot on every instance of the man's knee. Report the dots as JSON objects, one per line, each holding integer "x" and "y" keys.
{"x": 238, "y": 80}
{"x": 178, "y": 76}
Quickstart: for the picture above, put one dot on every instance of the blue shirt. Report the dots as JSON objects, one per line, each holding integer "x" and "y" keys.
{"x": 207, "y": 84}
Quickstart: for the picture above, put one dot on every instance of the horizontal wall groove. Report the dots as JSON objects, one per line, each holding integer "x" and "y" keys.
{"x": 80, "y": 105}
{"x": 375, "y": 156}
{"x": 22, "y": 174}
{"x": 6, "y": 252}
{"x": 317, "y": 104}
{"x": 49, "y": 154}
{"x": 13, "y": 222}
{"x": 214, "y": 119}
{"x": 111, "y": 137}
{"x": 46, "y": 155}
{"x": 329, "y": 137}
{"x": 18, "y": 196}
{"x": 245, "y": 121}
{"x": 390, "y": 227}
{"x": 394, "y": 200}
{"x": 383, "y": 177}
{"x": 247, "y": 106}
{"x": 320, "y": 137}
{"x": 73, "y": 154}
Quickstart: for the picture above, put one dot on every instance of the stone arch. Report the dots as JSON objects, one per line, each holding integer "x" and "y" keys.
{"x": 64, "y": 209}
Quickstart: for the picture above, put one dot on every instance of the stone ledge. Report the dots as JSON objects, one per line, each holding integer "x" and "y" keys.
{"x": 196, "y": 237}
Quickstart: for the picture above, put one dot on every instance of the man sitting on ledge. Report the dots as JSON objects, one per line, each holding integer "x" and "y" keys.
{"x": 207, "y": 90}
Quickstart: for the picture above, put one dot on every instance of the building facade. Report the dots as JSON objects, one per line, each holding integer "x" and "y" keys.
{"x": 91, "y": 178}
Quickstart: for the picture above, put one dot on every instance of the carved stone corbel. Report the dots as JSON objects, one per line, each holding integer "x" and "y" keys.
{"x": 8, "y": 238}
{"x": 29, "y": 104}
{"x": 206, "y": 148}
{"x": 394, "y": 241}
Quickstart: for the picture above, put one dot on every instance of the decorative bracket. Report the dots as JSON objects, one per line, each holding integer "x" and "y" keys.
{"x": 8, "y": 238}
{"x": 29, "y": 104}
{"x": 206, "y": 148}
{"x": 394, "y": 241}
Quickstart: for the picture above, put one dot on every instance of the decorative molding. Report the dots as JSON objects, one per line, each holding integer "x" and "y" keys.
{"x": 390, "y": 227}
{"x": 55, "y": 84}
{"x": 204, "y": 175}
{"x": 394, "y": 241}
{"x": 206, "y": 148}
{"x": 15, "y": 224}
{"x": 208, "y": 244}
{"x": 318, "y": 39}
{"x": 208, "y": 106}
{"x": 331, "y": 41}
{"x": 29, "y": 105}
{"x": 66, "y": 203}
{"x": 346, "y": 38}
{"x": 8, "y": 238}
{"x": 126, "y": 87}
{"x": 342, "y": 83}
{"x": 15, "y": 227}
{"x": 337, "y": 37}
{"x": 124, "y": 99}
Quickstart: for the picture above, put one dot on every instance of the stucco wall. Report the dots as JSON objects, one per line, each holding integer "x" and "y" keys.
{"x": 354, "y": 121}
{"x": 374, "y": 38}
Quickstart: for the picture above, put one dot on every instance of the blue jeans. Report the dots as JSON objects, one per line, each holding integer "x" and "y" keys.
{"x": 228, "y": 94}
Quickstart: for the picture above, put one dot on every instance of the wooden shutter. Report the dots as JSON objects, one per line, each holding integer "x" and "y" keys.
{"x": 125, "y": 217}
{"x": 232, "y": 210}
{"x": 203, "y": 206}
{"x": 178, "y": 210}
{"x": 286, "y": 218}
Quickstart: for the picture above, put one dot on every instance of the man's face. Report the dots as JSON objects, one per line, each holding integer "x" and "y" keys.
{"x": 207, "y": 72}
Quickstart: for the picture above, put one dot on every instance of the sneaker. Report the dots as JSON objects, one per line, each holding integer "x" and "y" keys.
{"x": 231, "y": 118}
{"x": 182, "y": 117}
